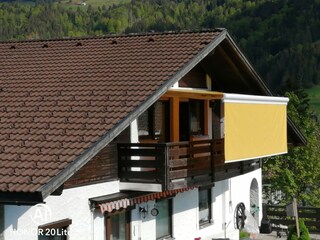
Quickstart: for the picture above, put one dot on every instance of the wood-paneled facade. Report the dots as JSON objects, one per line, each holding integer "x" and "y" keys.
{"x": 102, "y": 167}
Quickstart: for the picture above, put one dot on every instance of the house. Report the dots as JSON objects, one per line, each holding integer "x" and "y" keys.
{"x": 147, "y": 136}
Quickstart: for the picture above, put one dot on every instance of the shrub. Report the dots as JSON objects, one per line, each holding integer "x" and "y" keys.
{"x": 244, "y": 234}
{"x": 304, "y": 233}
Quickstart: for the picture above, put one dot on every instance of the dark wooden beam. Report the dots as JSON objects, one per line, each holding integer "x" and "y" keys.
{"x": 20, "y": 198}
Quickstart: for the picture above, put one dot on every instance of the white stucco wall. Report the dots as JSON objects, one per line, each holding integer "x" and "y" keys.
{"x": 185, "y": 215}
{"x": 226, "y": 195}
{"x": 73, "y": 204}
{"x": 185, "y": 220}
{"x": 21, "y": 222}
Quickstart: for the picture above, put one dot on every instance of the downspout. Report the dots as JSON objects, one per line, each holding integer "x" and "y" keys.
{"x": 224, "y": 209}
{"x": 230, "y": 196}
{"x": 92, "y": 208}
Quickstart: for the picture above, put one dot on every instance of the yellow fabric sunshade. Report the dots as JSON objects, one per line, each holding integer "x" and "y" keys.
{"x": 255, "y": 126}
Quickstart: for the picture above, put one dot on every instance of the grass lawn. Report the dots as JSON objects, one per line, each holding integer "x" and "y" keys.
{"x": 26, "y": 2}
{"x": 93, "y": 3}
{"x": 76, "y": 3}
{"x": 314, "y": 95}
{"x": 96, "y": 3}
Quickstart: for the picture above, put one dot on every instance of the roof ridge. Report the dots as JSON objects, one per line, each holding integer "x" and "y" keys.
{"x": 118, "y": 35}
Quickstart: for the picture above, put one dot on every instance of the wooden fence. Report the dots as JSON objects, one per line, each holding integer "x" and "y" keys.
{"x": 311, "y": 216}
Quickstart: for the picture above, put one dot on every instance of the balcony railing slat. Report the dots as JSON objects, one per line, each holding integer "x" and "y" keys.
{"x": 187, "y": 162}
{"x": 184, "y": 173}
{"x": 142, "y": 163}
{"x": 140, "y": 152}
{"x": 144, "y": 145}
{"x": 176, "y": 151}
{"x": 200, "y": 149}
{"x": 152, "y": 175}
{"x": 178, "y": 162}
{"x": 191, "y": 182}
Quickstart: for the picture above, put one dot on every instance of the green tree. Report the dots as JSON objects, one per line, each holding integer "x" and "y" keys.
{"x": 304, "y": 233}
{"x": 297, "y": 173}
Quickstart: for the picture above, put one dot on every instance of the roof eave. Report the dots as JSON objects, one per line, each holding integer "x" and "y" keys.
{"x": 20, "y": 198}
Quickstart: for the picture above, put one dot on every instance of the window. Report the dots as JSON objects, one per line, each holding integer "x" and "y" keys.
{"x": 55, "y": 230}
{"x": 118, "y": 225}
{"x": 196, "y": 117}
{"x": 153, "y": 123}
{"x": 164, "y": 219}
{"x": 204, "y": 206}
{"x": 145, "y": 123}
{"x": 216, "y": 119}
{"x": 191, "y": 119}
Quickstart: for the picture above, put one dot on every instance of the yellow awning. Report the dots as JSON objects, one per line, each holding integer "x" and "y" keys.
{"x": 255, "y": 126}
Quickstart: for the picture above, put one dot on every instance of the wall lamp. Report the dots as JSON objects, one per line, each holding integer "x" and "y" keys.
{"x": 143, "y": 211}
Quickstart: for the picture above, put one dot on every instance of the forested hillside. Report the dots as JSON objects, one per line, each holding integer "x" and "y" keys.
{"x": 280, "y": 37}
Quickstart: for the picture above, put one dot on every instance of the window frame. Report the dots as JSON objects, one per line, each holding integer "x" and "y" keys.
{"x": 205, "y": 223}
{"x": 108, "y": 216}
{"x": 60, "y": 226}
{"x": 151, "y": 115}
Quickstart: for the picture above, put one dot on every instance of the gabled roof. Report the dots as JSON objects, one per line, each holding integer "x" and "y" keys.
{"x": 62, "y": 101}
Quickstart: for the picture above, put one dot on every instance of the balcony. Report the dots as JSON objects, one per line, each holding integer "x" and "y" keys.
{"x": 170, "y": 165}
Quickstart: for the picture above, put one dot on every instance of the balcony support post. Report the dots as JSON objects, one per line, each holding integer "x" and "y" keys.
{"x": 174, "y": 116}
{"x": 166, "y": 180}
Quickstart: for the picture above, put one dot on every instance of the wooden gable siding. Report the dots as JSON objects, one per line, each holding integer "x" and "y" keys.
{"x": 103, "y": 167}
{"x": 196, "y": 78}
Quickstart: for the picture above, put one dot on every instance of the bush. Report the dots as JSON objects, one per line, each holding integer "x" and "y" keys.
{"x": 304, "y": 233}
{"x": 244, "y": 234}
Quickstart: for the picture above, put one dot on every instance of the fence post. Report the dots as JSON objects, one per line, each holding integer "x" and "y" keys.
{"x": 295, "y": 210}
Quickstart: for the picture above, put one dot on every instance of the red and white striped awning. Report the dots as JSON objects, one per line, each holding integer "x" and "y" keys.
{"x": 115, "y": 205}
{"x": 122, "y": 200}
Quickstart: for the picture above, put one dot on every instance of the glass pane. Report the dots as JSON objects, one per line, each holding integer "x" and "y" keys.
{"x": 161, "y": 124}
{"x": 58, "y": 234}
{"x": 118, "y": 226}
{"x": 143, "y": 124}
{"x": 204, "y": 209}
{"x": 196, "y": 117}
{"x": 163, "y": 219}
{"x": 159, "y": 118}
{"x": 57, "y": 237}
{"x": 184, "y": 123}
{"x": 40, "y": 237}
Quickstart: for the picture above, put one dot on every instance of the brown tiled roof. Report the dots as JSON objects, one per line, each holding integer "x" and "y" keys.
{"x": 59, "y": 97}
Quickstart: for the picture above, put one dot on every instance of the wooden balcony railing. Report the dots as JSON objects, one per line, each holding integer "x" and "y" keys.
{"x": 173, "y": 165}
